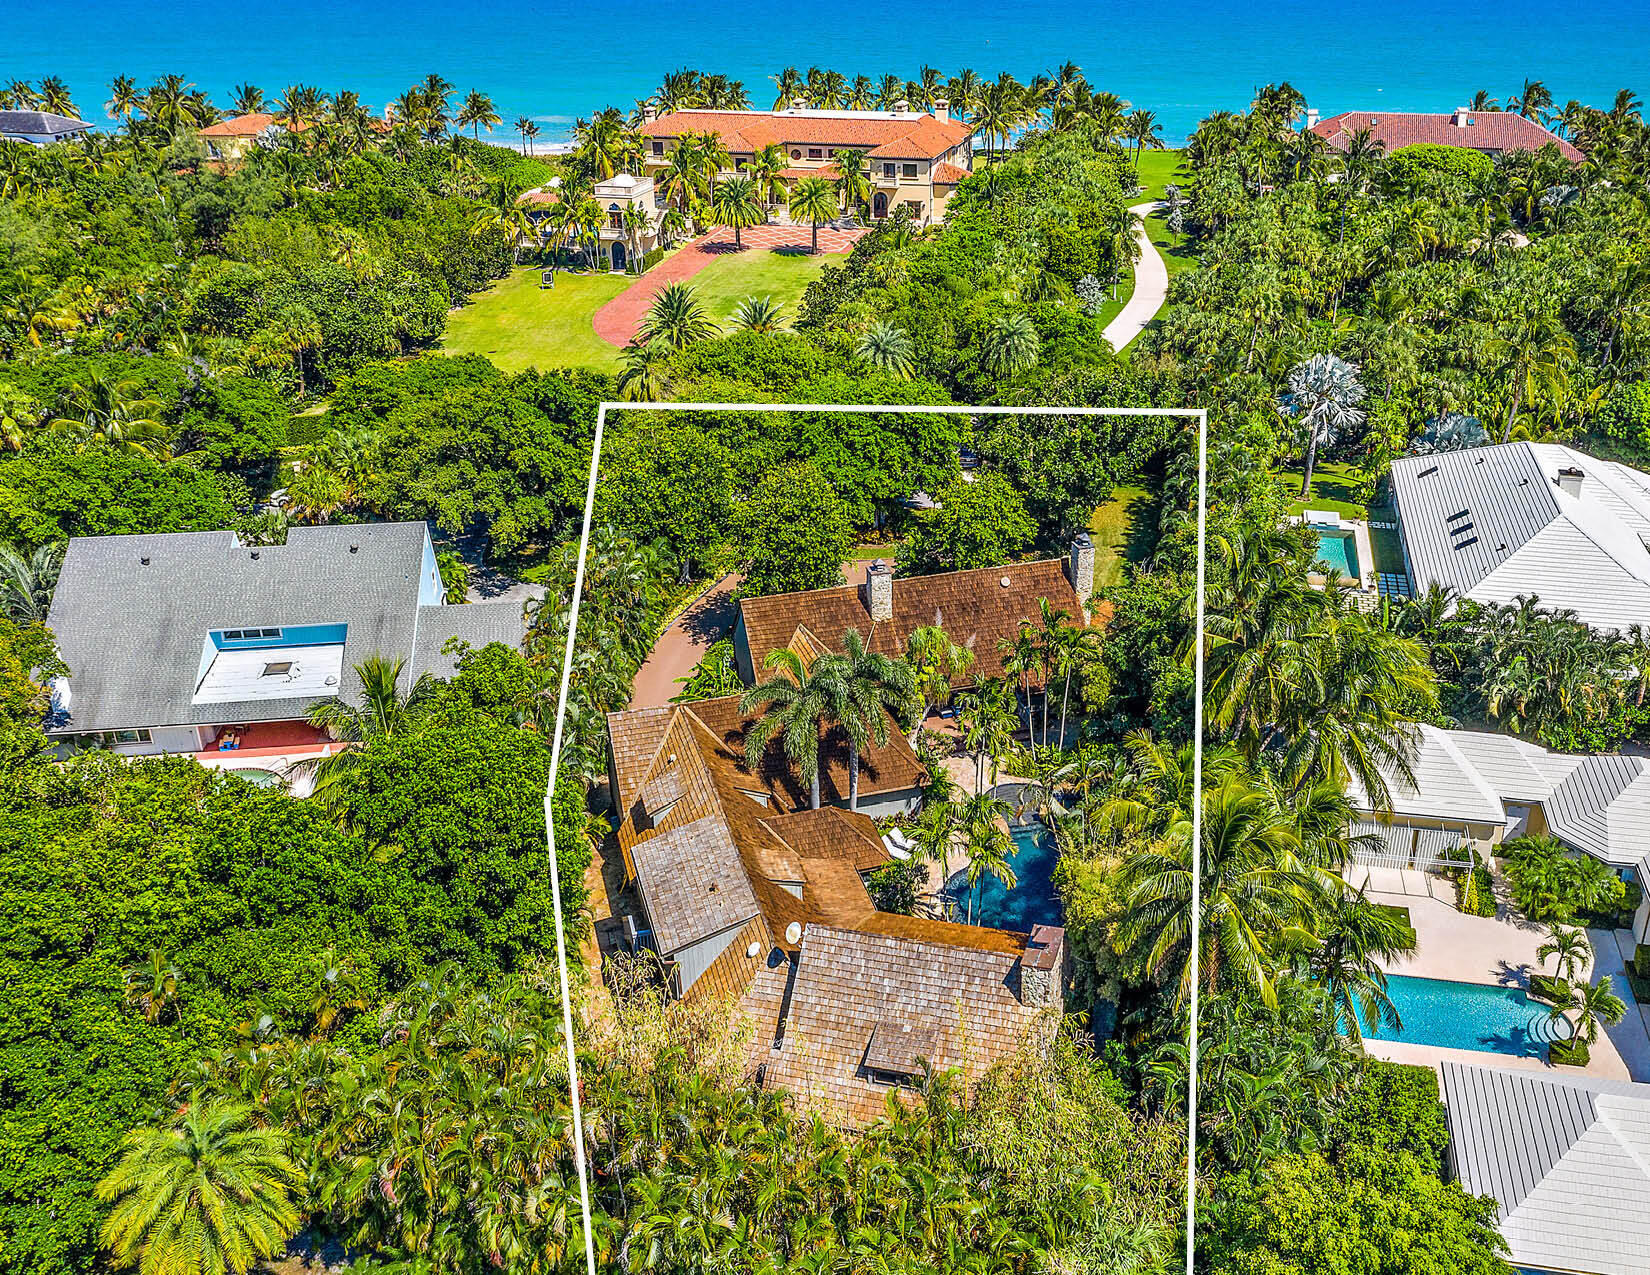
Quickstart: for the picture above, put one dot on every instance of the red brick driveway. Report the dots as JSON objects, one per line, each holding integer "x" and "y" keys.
{"x": 618, "y": 321}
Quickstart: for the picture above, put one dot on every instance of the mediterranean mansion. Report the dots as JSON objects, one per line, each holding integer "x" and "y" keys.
{"x": 916, "y": 158}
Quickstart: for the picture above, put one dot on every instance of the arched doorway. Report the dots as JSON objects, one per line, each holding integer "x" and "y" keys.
{"x": 879, "y": 206}
{"x": 618, "y": 256}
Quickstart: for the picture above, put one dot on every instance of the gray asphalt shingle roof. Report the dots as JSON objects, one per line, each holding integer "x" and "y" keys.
{"x": 1567, "y": 1157}
{"x": 40, "y": 124}
{"x": 131, "y": 614}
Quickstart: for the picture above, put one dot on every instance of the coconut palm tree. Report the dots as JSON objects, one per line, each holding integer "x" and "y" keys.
{"x": 529, "y": 129}
{"x": 937, "y": 664}
{"x": 502, "y": 213}
{"x": 27, "y": 581}
{"x": 1535, "y": 351}
{"x": 676, "y": 318}
{"x": 888, "y": 349}
{"x": 1355, "y": 937}
{"x": 789, "y": 86}
{"x": 478, "y": 112}
{"x": 208, "y": 1194}
{"x": 1324, "y": 393}
{"x": 114, "y": 411}
{"x": 874, "y": 686}
{"x": 1533, "y": 101}
{"x": 1009, "y": 345}
{"x": 735, "y": 203}
{"x": 758, "y": 314}
{"x": 988, "y": 716}
{"x": 853, "y": 188}
{"x": 799, "y": 704}
{"x": 989, "y": 846}
{"x": 383, "y": 711}
{"x": 1145, "y": 132}
{"x": 813, "y": 201}
{"x": 767, "y": 169}
{"x": 123, "y": 99}
{"x": 247, "y": 99}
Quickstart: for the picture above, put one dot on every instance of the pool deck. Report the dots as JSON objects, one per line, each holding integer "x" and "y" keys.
{"x": 1499, "y": 951}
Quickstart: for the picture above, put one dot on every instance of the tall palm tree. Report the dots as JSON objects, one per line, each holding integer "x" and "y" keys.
{"x": 813, "y": 201}
{"x": 1535, "y": 351}
{"x": 123, "y": 99}
{"x": 735, "y": 203}
{"x": 1533, "y": 101}
{"x": 1145, "y": 132}
{"x": 1590, "y": 1007}
{"x": 528, "y": 129}
{"x": 873, "y": 687}
{"x": 937, "y": 665}
{"x": 852, "y": 185}
{"x": 888, "y": 349}
{"x": 503, "y": 213}
{"x": 478, "y": 112}
{"x": 988, "y": 843}
{"x": 383, "y": 711}
{"x": 789, "y": 85}
{"x": 1570, "y": 946}
{"x": 1009, "y": 345}
{"x": 247, "y": 99}
{"x": 988, "y": 718}
{"x": 799, "y": 704}
{"x": 209, "y": 1194}
{"x": 1324, "y": 393}
{"x": 112, "y": 410}
{"x": 767, "y": 169}
{"x": 27, "y": 581}
{"x": 1354, "y": 937}
{"x": 677, "y": 318}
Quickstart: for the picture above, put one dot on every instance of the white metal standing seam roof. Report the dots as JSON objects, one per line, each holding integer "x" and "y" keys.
{"x": 1517, "y": 771}
{"x": 1447, "y": 786}
{"x": 1567, "y": 1158}
{"x": 1493, "y": 524}
{"x": 1604, "y": 808}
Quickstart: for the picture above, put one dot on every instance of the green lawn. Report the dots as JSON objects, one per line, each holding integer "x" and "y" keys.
{"x": 1123, "y": 530}
{"x": 1334, "y": 485}
{"x": 781, "y": 277}
{"x": 519, "y": 325}
{"x": 1157, "y": 170}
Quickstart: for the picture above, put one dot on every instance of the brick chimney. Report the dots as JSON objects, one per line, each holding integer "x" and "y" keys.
{"x": 878, "y": 591}
{"x": 1080, "y": 568}
{"x": 942, "y": 108}
{"x": 1042, "y": 967}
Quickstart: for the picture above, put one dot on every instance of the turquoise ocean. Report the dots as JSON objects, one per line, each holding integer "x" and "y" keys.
{"x": 556, "y": 62}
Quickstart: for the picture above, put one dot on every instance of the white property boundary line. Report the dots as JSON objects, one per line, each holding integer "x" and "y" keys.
{"x": 1201, "y": 416}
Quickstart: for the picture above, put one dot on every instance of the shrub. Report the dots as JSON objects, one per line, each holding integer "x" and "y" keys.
{"x": 1479, "y": 899}
{"x": 1549, "y": 883}
{"x": 1568, "y": 1053}
{"x": 1549, "y": 988}
{"x": 1393, "y": 1107}
{"x": 893, "y": 887}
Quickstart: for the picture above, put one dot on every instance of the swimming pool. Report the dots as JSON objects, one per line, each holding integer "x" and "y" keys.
{"x": 1032, "y": 901}
{"x": 1497, "y": 1020}
{"x": 1338, "y": 551}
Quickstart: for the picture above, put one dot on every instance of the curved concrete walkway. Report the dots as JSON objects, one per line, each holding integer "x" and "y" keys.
{"x": 1151, "y": 287}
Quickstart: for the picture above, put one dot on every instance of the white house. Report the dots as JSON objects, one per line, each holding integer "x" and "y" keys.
{"x": 1529, "y": 519}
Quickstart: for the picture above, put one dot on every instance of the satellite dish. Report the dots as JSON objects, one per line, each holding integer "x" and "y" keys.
{"x": 793, "y": 932}
{"x": 752, "y": 950}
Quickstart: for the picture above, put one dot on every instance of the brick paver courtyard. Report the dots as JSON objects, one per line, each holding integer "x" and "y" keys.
{"x": 618, "y": 321}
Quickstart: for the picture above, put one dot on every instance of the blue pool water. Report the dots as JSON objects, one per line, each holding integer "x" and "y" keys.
{"x": 1338, "y": 552}
{"x": 1032, "y": 901}
{"x": 1500, "y": 1020}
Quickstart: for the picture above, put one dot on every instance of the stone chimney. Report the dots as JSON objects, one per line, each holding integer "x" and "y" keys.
{"x": 1080, "y": 568}
{"x": 649, "y": 112}
{"x": 942, "y": 108}
{"x": 1569, "y": 481}
{"x": 878, "y": 591}
{"x": 1042, "y": 968}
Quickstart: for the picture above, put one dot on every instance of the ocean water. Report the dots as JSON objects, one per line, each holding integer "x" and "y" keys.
{"x": 554, "y": 62}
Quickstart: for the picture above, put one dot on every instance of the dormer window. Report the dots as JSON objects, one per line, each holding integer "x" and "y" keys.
{"x": 250, "y": 635}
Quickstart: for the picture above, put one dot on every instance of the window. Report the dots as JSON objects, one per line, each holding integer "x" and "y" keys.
{"x": 110, "y": 738}
{"x": 887, "y": 170}
{"x": 796, "y": 154}
{"x": 816, "y": 152}
{"x": 909, "y": 170}
{"x": 281, "y": 668}
{"x": 249, "y": 635}
{"x": 130, "y": 736}
{"x": 658, "y": 148}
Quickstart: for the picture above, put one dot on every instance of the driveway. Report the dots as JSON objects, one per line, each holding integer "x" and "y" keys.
{"x": 1151, "y": 287}
{"x": 681, "y": 647}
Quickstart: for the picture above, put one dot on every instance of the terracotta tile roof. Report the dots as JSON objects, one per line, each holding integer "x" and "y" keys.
{"x": 830, "y": 172}
{"x": 240, "y": 125}
{"x": 1488, "y": 131}
{"x": 864, "y": 1002}
{"x": 909, "y": 137}
{"x": 948, "y": 174}
{"x": 973, "y": 607}
{"x": 542, "y": 198}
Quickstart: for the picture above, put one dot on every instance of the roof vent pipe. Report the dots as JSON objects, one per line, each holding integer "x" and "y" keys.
{"x": 1569, "y": 481}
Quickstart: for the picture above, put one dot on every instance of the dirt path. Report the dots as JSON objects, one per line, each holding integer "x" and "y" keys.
{"x": 1151, "y": 287}
{"x": 684, "y": 644}
{"x": 618, "y": 320}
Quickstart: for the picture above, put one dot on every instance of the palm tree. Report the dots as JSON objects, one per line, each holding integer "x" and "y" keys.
{"x": 112, "y": 410}
{"x": 735, "y": 203}
{"x": 937, "y": 665}
{"x": 1354, "y": 937}
{"x": 676, "y": 318}
{"x": 27, "y": 581}
{"x": 789, "y": 85}
{"x": 247, "y": 99}
{"x": 852, "y": 185}
{"x": 1594, "y": 1005}
{"x": 1324, "y": 393}
{"x": 382, "y": 712}
{"x": 528, "y": 129}
{"x": 1535, "y": 351}
{"x": 799, "y": 704}
{"x": 874, "y": 686}
{"x": 502, "y": 213}
{"x": 478, "y": 112}
{"x": 888, "y": 349}
{"x": 645, "y": 376}
{"x": 1533, "y": 101}
{"x": 813, "y": 201}
{"x": 1145, "y": 132}
{"x": 758, "y": 314}
{"x": 989, "y": 846}
{"x": 209, "y": 1194}
{"x": 766, "y": 169}
{"x": 1570, "y": 946}
{"x": 988, "y": 718}
{"x": 1009, "y": 345}
{"x": 123, "y": 99}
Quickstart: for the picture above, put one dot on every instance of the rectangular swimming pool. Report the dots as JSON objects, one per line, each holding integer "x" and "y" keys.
{"x": 1497, "y": 1020}
{"x": 1338, "y": 551}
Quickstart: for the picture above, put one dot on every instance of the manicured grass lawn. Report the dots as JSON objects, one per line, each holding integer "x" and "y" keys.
{"x": 1333, "y": 487}
{"x": 1124, "y": 530}
{"x": 1157, "y": 170}
{"x": 1177, "y": 256}
{"x": 519, "y": 325}
{"x": 781, "y": 277}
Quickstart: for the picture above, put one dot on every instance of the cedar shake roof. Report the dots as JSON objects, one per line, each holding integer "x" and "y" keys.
{"x": 948, "y": 174}
{"x": 973, "y": 607}
{"x": 883, "y": 135}
{"x": 240, "y": 125}
{"x": 865, "y": 1002}
{"x": 1493, "y": 131}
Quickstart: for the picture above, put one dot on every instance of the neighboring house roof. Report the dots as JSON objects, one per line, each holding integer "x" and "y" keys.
{"x": 1567, "y": 1157}
{"x": 1603, "y": 807}
{"x": 241, "y": 125}
{"x": 976, "y": 609}
{"x": 133, "y": 616}
{"x": 1478, "y": 130}
{"x": 40, "y": 124}
{"x": 1495, "y": 523}
{"x": 1445, "y": 786}
{"x": 1515, "y": 771}
{"x": 881, "y": 1003}
{"x": 883, "y": 133}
